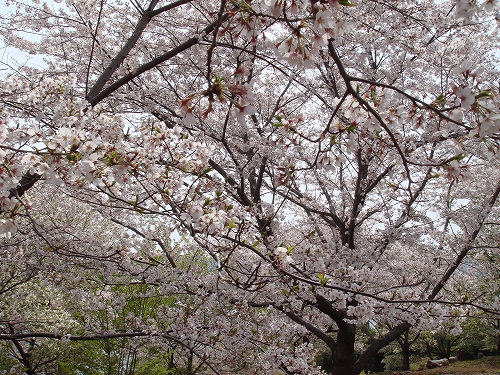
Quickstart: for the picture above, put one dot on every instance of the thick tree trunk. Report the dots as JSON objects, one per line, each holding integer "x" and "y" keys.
{"x": 378, "y": 344}
{"x": 343, "y": 349}
{"x": 404, "y": 343}
{"x": 428, "y": 350}
{"x": 405, "y": 350}
{"x": 343, "y": 357}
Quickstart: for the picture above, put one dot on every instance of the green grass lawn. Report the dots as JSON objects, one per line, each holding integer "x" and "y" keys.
{"x": 486, "y": 365}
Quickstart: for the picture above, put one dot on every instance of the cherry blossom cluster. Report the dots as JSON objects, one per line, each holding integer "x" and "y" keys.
{"x": 469, "y": 11}
{"x": 238, "y": 95}
{"x": 76, "y": 146}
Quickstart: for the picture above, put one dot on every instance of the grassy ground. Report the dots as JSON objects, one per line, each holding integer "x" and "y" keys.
{"x": 484, "y": 366}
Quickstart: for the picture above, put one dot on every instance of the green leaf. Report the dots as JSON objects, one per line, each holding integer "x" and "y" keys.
{"x": 440, "y": 100}
{"x": 207, "y": 170}
{"x": 74, "y": 157}
{"x": 110, "y": 159}
{"x": 346, "y": 3}
{"x": 350, "y": 128}
{"x": 323, "y": 280}
{"x": 484, "y": 94}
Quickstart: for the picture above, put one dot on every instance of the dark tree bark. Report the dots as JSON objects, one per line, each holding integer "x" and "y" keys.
{"x": 378, "y": 344}
{"x": 343, "y": 356}
{"x": 405, "y": 343}
{"x": 405, "y": 351}
{"x": 26, "y": 183}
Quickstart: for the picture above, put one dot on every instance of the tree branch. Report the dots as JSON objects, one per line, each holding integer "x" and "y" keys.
{"x": 99, "y": 96}
{"x": 379, "y": 344}
{"x": 465, "y": 250}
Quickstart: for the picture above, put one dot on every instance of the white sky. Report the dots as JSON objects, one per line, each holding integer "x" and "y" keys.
{"x": 13, "y": 57}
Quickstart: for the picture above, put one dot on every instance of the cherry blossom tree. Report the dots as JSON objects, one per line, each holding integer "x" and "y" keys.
{"x": 90, "y": 280}
{"x": 337, "y": 162}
